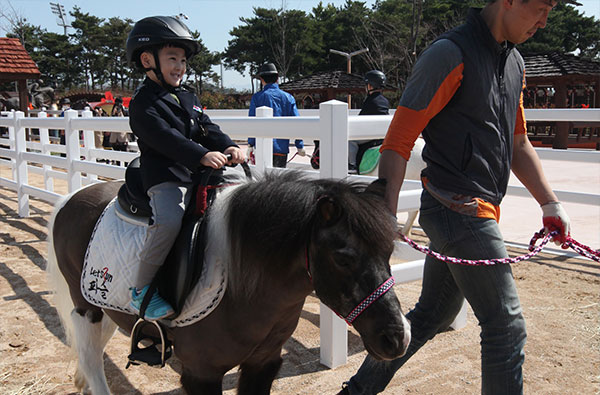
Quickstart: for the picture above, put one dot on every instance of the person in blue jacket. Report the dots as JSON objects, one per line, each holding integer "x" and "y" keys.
{"x": 283, "y": 105}
{"x": 175, "y": 138}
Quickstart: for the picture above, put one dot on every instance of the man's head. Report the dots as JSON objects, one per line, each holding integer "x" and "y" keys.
{"x": 517, "y": 20}
{"x": 374, "y": 80}
{"x": 159, "y": 39}
{"x": 268, "y": 73}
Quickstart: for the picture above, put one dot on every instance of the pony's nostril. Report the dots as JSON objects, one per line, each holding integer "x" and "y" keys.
{"x": 393, "y": 340}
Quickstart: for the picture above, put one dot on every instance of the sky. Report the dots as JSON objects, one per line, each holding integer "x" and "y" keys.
{"x": 212, "y": 18}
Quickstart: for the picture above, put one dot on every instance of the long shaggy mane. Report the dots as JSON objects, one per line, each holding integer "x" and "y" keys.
{"x": 271, "y": 220}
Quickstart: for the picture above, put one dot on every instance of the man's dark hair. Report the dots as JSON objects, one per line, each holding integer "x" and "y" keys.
{"x": 270, "y": 78}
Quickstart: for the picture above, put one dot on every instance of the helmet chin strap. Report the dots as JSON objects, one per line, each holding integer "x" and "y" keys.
{"x": 159, "y": 74}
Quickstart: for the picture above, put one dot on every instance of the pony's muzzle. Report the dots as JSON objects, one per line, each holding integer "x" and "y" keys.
{"x": 394, "y": 341}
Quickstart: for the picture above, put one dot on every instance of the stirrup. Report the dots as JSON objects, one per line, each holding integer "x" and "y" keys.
{"x": 155, "y": 354}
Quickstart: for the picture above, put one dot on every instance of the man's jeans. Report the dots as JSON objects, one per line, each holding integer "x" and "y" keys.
{"x": 490, "y": 290}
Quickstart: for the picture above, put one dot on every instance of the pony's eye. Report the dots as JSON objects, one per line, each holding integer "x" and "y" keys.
{"x": 344, "y": 257}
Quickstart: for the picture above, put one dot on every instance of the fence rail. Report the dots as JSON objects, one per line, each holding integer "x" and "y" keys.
{"x": 333, "y": 124}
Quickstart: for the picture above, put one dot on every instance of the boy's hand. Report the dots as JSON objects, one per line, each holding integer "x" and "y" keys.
{"x": 214, "y": 159}
{"x": 237, "y": 156}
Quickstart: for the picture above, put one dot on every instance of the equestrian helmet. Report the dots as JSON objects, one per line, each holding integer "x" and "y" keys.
{"x": 375, "y": 78}
{"x": 155, "y": 31}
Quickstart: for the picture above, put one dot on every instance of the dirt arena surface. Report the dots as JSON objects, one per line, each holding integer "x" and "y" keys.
{"x": 560, "y": 298}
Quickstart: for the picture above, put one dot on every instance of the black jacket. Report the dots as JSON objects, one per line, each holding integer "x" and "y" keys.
{"x": 172, "y": 137}
{"x": 375, "y": 104}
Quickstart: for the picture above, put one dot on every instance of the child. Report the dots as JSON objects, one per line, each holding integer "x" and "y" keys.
{"x": 175, "y": 138}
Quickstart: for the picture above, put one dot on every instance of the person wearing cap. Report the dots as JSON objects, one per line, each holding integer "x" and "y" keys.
{"x": 374, "y": 104}
{"x": 283, "y": 105}
{"x": 465, "y": 95}
{"x": 175, "y": 138}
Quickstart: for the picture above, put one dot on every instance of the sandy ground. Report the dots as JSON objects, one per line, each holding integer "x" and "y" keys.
{"x": 560, "y": 298}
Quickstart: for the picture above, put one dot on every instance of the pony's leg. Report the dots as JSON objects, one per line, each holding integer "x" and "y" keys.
{"x": 92, "y": 330}
{"x": 412, "y": 216}
{"x": 195, "y": 385}
{"x": 257, "y": 379}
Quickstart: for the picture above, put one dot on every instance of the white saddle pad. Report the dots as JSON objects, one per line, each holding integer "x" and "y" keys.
{"x": 111, "y": 264}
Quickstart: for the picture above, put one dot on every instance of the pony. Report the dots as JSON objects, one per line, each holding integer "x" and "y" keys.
{"x": 282, "y": 237}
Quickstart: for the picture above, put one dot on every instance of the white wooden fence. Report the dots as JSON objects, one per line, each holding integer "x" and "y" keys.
{"x": 333, "y": 124}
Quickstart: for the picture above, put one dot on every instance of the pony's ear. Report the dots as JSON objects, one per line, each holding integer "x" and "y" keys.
{"x": 377, "y": 187}
{"x": 329, "y": 210}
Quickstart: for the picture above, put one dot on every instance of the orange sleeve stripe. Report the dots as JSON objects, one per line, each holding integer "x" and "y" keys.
{"x": 521, "y": 125}
{"x": 407, "y": 124}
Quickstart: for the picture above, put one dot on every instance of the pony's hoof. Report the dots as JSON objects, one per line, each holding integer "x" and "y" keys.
{"x": 81, "y": 383}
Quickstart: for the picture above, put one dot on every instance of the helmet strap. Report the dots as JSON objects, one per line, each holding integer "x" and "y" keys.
{"x": 158, "y": 73}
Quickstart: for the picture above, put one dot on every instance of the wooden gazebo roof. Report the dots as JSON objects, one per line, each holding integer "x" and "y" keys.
{"x": 553, "y": 65}
{"x": 328, "y": 84}
{"x": 17, "y": 65}
{"x": 338, "y": 81}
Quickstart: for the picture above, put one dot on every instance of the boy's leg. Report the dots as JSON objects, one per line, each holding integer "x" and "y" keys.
{"x": 168, "y": 201}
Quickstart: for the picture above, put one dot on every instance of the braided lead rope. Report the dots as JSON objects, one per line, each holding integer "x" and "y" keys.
{"x": 574, "y": 244}
{"x": 482, "y": 262}
{"x": 582, "y": 249}
{"x": 379, "y": 292}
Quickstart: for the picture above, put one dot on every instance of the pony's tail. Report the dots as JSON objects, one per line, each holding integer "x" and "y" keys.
{"x": 56, "y": 281}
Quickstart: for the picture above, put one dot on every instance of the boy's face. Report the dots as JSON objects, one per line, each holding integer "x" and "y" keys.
{"x": 524, "y": 19}
{"x": 172, "y": 64}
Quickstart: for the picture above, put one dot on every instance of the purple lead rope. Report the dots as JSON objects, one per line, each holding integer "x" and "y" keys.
{"x": 575, "y": 245}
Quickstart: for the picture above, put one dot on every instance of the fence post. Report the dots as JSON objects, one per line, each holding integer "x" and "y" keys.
{"x": 11, "y": 142}
{"x": 263, "y": 151}
{"x": 45, "y": 141}
{"x": 333, "y": 130}
{"x": 21, "y": 165}
{"x": 73, "y": 154}
{"x": 89, "y": 143}
{"x": 334, "y": 139}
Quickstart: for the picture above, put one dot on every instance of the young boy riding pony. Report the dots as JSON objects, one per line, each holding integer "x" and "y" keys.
{"x": 175, "y": 139}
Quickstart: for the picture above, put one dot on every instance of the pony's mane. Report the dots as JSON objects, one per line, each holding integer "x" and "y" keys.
{"x": 270, "y": 222}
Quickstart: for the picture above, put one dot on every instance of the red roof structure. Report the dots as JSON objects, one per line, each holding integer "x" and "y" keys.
{"x": 17, "y": 65}
{"x": 15, "y": 62}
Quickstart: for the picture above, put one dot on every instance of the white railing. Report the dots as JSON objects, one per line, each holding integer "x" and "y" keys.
{"x": 332, "y": 124}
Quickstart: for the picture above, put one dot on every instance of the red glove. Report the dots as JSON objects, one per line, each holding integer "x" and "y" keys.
{"x": 554, "y": 217}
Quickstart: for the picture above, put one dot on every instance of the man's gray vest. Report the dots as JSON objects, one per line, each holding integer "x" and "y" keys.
{"x": 469, "y": 143}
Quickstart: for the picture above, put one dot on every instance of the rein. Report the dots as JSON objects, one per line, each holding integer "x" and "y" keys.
{"x": 572, "y": 243}
{"x": 362, "y": 306}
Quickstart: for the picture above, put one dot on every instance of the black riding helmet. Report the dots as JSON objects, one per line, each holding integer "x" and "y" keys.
{"x": 375, "y": 78}
{"x": 154, "y": 32}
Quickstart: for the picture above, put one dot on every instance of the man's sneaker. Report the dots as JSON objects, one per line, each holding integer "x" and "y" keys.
{"x": 157, "y": 309}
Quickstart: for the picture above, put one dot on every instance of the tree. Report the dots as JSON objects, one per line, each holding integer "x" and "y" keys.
{"x": 200, "y": 66}
{"x": 272, "y": 35}
{"x": 53, "y": 57}
{"x": 89, "y": 35}
{"x": 567, "y": 31}
{"x": 112, "y": 48}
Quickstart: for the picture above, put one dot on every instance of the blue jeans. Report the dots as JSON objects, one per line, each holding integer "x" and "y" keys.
{"x": 490, "y": 290}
